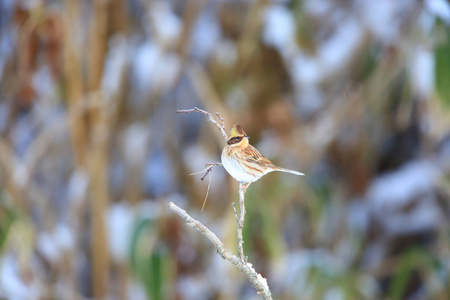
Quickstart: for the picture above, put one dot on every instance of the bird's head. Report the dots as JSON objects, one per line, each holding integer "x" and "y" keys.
{"x": 238, "y": 136}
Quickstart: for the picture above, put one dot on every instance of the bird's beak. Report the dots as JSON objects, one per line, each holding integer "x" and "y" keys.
{"x": 246, "y": 137}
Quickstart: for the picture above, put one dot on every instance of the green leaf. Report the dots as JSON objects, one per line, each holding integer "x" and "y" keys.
{"x": 442, "y": 59}
{"x": 7, "y": 217}
{"x": 148, "y": 259}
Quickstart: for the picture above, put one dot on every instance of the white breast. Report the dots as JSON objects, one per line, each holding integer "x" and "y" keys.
{"x": 236, "y": 171}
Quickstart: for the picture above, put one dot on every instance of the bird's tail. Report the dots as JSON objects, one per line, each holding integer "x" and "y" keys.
{"x": 288, "y": 171}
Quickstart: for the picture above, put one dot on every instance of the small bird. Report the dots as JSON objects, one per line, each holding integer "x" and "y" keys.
{"x": 243, "y": 162}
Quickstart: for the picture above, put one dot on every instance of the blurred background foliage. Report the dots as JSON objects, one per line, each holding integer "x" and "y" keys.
{"x": 354, "y": 93}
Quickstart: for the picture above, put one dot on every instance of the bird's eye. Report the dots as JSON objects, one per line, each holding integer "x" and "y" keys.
{"x": 235, "y": 140}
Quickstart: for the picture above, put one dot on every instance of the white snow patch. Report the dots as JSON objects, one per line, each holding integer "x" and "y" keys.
{"x": 193, "y": 287}
{"x": 317, "y": 8}
{"x": 226, "y": 53}
{"x": 166, "y": 24}
{"x": 337, "y": 50}
{"x": 382, "y": 18}
{"x": 136, "y": 291}
{"x": 332, "y": 56}
{"x": 219, "y": 268}
{"x": 424, "y": 216}
{"x": 398, "y": 188}
{"x": 12, "y": 286}
{"x": 237, "y": 97}
{"x": 144, "y": 67}
{"x": 390, "y": 194}
{"x": 195, "y": 158}
{"x": 152, "y": 68}
{"x": 116, "y": 61}
{"x": 306, "y": 70}
{"x": 299, "y": 264}
{"x": 310, "y": 99}
{"x": 54, "y": 243}
{"x": 64, "y": 237}
{"x": 135, "y": 140}
{"x": 120, "y": 225}
{"x": 77, "y": 187}
{"x": 422, "y": 72}
{"x": 279, "y": 28}
{"x": 159, "y": 174}
{"x": 47, "y": 247}
{"x": 358, "y": 215}
{"x": 21, "y": 174}
{"x": 440, "y": 8}
{"x": 333, "y": 294}
{"x": 43, "y": 84}
{"x": 205, "y": 35}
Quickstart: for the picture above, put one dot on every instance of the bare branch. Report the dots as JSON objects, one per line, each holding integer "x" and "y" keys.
{"x": 240, "y": 222}
{"x": 240, "y": 240}
{"x": 214, "y": 164}
{"x": 222, "y": 121}
{"x": 259, "y": 282}
{"x": 240, "y": 261}
{"x": 206, "y": 174}
{"x": 209, "y": 168}
{"x": 210, "y": 119}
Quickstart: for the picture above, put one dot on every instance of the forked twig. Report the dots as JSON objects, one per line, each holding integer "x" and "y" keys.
{"x": 208, "y": 170}
{"x": 206, "y": 174}
{"x": 211, "y": 119}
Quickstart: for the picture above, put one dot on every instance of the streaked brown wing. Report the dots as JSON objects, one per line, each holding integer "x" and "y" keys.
{"x": 253, "y": 155}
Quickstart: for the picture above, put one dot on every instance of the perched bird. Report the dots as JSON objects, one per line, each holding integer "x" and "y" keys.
{"x": 243, "y": 162}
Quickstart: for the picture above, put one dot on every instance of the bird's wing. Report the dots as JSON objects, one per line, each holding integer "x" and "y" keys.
{"x": 253, "y": 155}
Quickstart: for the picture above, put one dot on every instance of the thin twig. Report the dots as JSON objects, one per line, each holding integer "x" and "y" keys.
{"x": 210, "y": 118}
{"x": 259, "y": 282}
{"x": 240, "y": 240}
{"x": 222, "y": 121}
{"x": 207, "y": 191}
{"x": 208, "y": 170}
{"x": 240, "y": 222}
{"x": 206, "y": 174}
{"x": 218, "y": 164}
